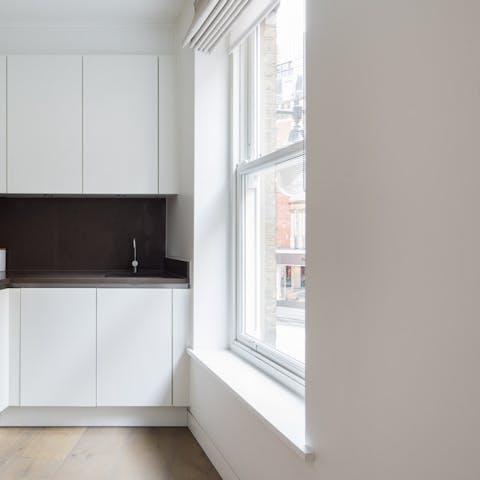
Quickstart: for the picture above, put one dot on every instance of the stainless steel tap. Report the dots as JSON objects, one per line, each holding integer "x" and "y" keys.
{"x": 134, "y": 261}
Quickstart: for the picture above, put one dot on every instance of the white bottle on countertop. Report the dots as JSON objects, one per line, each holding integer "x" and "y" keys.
{"x": 3, "y": 260}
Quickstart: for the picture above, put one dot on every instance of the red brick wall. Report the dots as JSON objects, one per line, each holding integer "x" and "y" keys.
{"x": 283, "y": 221}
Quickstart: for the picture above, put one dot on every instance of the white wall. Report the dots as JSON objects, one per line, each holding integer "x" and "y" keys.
{"x": 213, "y": 169}
{"x": 251, "y": 449}
{"x": 394, "y": 230}
{"x": 393, "y": 345}
{"x": 94, "y": 39}
{"x": 180, "y": 208}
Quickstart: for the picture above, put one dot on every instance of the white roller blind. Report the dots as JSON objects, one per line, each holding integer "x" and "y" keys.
{"x": 253, "y": 14}
{"x": 215, "y": 18}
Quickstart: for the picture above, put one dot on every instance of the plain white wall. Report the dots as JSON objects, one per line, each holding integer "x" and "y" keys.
{"x": 180, "y": 208}
{"x": 212, "y": 219}
{"x": 393, "y": 327}
{"x": 393, "y": 238}
{"x": 79, "y": 39}
{"x": 251, "y": 449}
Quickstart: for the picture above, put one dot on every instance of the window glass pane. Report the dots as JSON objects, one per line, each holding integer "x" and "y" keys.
{"x": 274, "y": 258}
{"x": 281, "y": 100}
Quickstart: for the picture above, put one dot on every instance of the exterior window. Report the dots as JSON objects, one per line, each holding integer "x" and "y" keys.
{"x": 269, "y": 87}
{"x": 281, "y": 77}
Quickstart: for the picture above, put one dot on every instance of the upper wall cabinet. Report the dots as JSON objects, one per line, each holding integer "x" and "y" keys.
{"x": 121, "y": 124}
{"x": 3, "y": 124}
{"x": 44, "y": 120}
{"x": 167, "y": 125}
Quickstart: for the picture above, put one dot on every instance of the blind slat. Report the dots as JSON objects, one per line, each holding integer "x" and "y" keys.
{"x": 203, "y": 9}
{"x": 224, "y": 28}
{"x": 206, "y": 25}
{"x": 253, "y": 14}
{"x": 218, "y": 23}
{"x": 212, "y": 21}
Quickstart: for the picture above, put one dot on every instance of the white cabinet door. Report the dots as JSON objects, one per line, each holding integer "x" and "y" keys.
{"x": 180, "y": 340}
{"x": 134, "y": 356}
{"x": 167, "y": 125}
{"x": 44, "y": 124}
{"x": 121, "y": 124}
{"x": 3, "y": 124}
{"x": 58, "y": 339}
{"x": 14, "y": 307}
{"x": 4, "y": 350}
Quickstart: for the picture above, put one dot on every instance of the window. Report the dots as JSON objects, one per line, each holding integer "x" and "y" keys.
{"x": 269, "y": 128}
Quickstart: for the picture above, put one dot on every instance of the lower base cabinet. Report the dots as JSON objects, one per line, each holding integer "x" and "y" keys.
{"x": 134, "y": 347}
{"x": 94, "y": 347}
{"x": 57, "y": 347}
{"x": 4, "y": 350}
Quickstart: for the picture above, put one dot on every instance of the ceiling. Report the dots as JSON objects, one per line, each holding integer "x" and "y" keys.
{"x": 88, "y": 12}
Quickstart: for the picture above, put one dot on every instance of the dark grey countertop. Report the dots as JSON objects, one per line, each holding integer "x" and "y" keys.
{"x": 79, "y": 279}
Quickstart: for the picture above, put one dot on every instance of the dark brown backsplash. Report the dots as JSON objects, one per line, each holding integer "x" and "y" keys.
{"x": 82, "y": 233}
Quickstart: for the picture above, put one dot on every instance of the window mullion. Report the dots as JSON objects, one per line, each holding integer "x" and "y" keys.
{"x": 257, "y": 100}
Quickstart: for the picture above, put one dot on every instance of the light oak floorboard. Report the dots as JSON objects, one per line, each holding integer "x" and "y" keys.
{"x": 94, "y": 457}
{"x": 102, "y": 454}
{"x": 12, "y": 441}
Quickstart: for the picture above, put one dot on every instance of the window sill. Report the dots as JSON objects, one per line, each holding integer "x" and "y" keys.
{"x": 277, "y": 407}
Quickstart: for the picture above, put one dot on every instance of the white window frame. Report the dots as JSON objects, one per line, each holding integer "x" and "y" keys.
{"x": 248, "y": 159}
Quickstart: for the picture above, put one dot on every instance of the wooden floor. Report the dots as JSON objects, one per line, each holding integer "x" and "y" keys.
{"x": 102, "y": 454}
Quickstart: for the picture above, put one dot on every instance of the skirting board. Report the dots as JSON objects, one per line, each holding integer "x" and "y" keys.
{"x": 94, "y": 417}
{"x": 212, "y": 452}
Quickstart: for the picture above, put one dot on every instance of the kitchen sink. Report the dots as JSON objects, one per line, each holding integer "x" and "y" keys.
{"x": 141, "y": 275}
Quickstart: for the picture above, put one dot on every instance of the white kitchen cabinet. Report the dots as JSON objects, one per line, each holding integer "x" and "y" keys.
{"x": 180, "y": 340}
{"x": 44, "y": 124}
{"x": 167, "y": 125}
{"x": 120, "y": 124}
{"x": 57, "y": 352}
{"x": 3, "y": 124}
{"x": 4, "y": 350}
{"x": 134, "y": 347}
{"x": 14, "y": 307}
